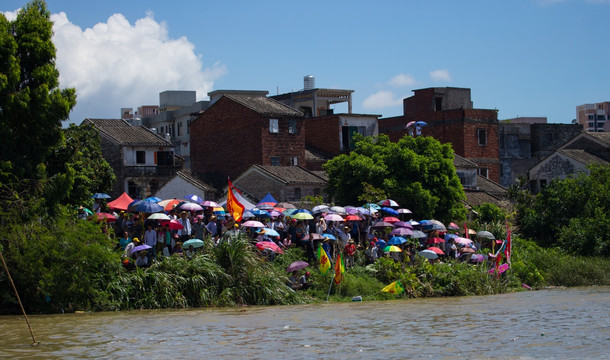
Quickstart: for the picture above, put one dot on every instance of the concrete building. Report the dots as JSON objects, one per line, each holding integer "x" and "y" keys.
{"x": 593, "y": 117}
{"x": 142, "y": 160}
{"x": 526, "y": 141}
{"x": 451, "y": 118}
{"x": 314, "y": 101}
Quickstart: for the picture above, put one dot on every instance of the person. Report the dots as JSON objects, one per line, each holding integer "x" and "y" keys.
{"x": 350, "y": 251}
{"x": 371, "y": 253}
{"x": 321, "y": 226}
{"x": 165, "y": 238}
{"x": 190, "y": 252}
{"x": 150, "y": 239}
{"x": 293, "y": 281}
{"x": 97, "y": 206}
{"x": 304, "y": 282}
{"x": 177, "y": 250}
{"x": 123, "y": 241}
{"x": 118, "y": 224}
{"x": 129, "y": 247}
{"x": 185, "y": 232}
{"x": 326, "y": 246}
{"x": 82, "y": 214}
{"x": 344, "y": 236}
{"x": 142, "y": 260}
{"x": 198, "y": 228}
{"x": 212, "y": 228}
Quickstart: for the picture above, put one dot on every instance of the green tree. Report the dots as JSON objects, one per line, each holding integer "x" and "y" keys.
{"x": 416, "y": 172}
{"x": 31, "y": 102}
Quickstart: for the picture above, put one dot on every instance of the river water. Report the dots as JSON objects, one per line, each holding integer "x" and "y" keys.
{"x": 545, "y": 324}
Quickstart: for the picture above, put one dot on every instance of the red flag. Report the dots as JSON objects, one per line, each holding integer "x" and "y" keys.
{"x": 466, "y": 231}
{"x": 498, "y": 261}
{"x": 235, "y": 208}
{"x": 509, "y": 245}
{"x": 339, "y": 270}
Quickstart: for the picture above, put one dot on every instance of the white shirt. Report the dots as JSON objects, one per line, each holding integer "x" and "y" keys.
{"x": 187, "y": 226}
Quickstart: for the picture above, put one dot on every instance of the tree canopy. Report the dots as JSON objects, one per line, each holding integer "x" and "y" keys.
{"x": 418, "y": 173}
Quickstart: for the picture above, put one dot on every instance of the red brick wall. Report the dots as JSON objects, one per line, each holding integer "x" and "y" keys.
{"x": 393, "y": 127}
{"x": 323, "y": 133}
{"x": 228, "y": 138}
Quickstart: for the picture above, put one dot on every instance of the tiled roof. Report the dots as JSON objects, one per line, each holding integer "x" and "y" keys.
{"x": 582, "y": 156}
{"x": 462, "y": 162}
{"x": 125, "y": 134}
{"x": 490, "y": 187}
{"x": 190, "y": 178}
{"x": 292, "y": 174}
{"x": 321, "y": 174}
{"x": 264, "y": 105}
{"x": 601, "y": 136}
{"x": 313, "y": 154}
{"x": 476, "y": 198}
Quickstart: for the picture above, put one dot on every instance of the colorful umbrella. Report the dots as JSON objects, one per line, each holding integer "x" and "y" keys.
{"x": 189, "y": 206}
{"x": 173, "y": 224}
{"x": 353, "y": 218}
{"x": 403, "y": 224}
{"x": 269, "y": 245}
{"x": 270, "y": 232}
{"x": 329, "y": 236}
{"x": 333, "y": 217}
{"x": 404, "y": 211}
{"x": 153, "y": 199}
{"x": 296, "y": 266}
{"x": 388, "y": 202}
{"x": 253, "y": 224}
{"x": 168, "y": 204}
{"x": 194, "y": 198}
{"x": 389, "y": 210}
{"x": 392, "y": 248}
{"x": 462, "y": 241}
{"x": 401, "y": 231}
{"x": 302, "y": 216}
{"x": 260, "y": 213}
{"x": 453, "y": 226}
{"x": 140, "y": 248}
{"x": 436, "y": 250}
{"x": 196, "y": 243}
{"x": 350, "y": 210}
{"x": 209, "y": 203}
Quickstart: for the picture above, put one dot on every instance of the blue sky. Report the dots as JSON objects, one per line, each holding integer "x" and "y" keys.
{"x": 522, "y": 57}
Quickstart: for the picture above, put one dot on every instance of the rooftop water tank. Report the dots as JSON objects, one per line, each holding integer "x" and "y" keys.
{"x": 309, "y": 82}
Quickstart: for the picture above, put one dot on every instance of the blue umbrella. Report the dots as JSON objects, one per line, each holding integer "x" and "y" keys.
{"x": 132, "y": 205}
{"x": 100, "y": 196}
{"x": 271, "y": 232}
{"x": 153, "y": 199}
{"x": 389, "y": 210}
{"x": 148, "y": 207}
{"x": 194, "y": 198}
{"x": 381, "y": 243}
{"x": 247, "y": 214}
{"x": 259, "y": 212}
{"x": 421, "y": 123}
{"x": 397, "y": 240}
{"x": 330, "y": 236}
{"x": 298, "y": 211}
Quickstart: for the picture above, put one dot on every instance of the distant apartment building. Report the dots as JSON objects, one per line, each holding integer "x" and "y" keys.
{"x": 593, "y": 117}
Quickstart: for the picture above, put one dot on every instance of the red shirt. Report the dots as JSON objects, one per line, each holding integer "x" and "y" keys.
{"x": 350, "y": 249}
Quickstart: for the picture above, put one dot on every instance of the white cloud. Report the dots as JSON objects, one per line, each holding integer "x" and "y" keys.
{"x": 116, "y": 64}
{"x": 440, "y": 75}
{"x": 10, "y": 15}
{"x": 380, "y": 100}
{"x": 401, "y": 80}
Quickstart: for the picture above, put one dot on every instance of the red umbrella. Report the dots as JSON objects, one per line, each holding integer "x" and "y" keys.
{"x": 391, "y": 219}
{"x": 435, "y": 240}
{"x": 353, "y": 218}
{"x": 173, "y": 224}
{"x": 436, "y": 250}
{"x": 269, "y": 245}
{"x": 169, "y": 204}
{"x": 105, "y": 216}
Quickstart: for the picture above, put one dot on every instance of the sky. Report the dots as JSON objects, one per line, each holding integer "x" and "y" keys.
{"x": 521, "y": 57}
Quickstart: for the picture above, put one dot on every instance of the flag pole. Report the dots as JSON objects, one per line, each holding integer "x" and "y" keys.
{"x": 18, "y": 299}
{"x": 330, "y": 287}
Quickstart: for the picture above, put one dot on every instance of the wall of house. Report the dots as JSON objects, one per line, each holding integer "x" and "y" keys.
{"x": 178, "y": 188}
{"x": 112, "y": 154}
{"x": 393, "y": 127}
{"x": 546, "y": 138}
{"x": 324, "y": 133}
{"x": 283, "y": 144}
{"x": 258, "y": 185}
{"x": 556, "y": 166}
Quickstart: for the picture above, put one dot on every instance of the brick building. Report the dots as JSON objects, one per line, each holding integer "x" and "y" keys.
{"x": 238, "y": 131}
{"x": 451, "y": 118}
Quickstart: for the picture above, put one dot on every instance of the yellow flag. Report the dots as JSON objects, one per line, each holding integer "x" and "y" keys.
{"x": 394, "y": 288}
{"x": 324, "y": 260}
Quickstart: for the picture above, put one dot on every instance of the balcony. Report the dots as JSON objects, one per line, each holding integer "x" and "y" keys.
{"x": 157, "y": 171}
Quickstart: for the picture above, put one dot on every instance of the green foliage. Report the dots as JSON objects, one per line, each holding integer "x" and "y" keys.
{"x": 489, "y": 212}
{"x": 414, "y": 171}
{"x": 371, "y": 194}
{"x": 313, "y": 200}
{"x": 571, "y": 213}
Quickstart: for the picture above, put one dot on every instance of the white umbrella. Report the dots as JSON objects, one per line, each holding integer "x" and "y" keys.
{"x": 319, "y": 209}
{"x": 333, "y": 217}
{"x": 339, "y": 210}
{"x": 158, "y": 216}
{"x": 428, "y": 254}
{"x": 404, "y": 211}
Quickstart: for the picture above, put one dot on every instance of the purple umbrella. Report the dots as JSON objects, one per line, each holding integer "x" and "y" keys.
{"x": 382, "y": 224}
{"x": 403, "y": 224}
{"x": 477, "y": 258}
{"x": 296, "y": 266}
{"x": 401, "y": 231}
{"x": 140, "y": 248}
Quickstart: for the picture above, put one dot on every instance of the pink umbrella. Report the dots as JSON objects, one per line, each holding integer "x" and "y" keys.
{"x": 391, "y": 219}
{"x": 173, "y": 224}
{"x": 453, "y": 226}
{"x": 333, "y": 217}
{"x": 209, "y": 204}
{"x": 189, "y": 206}
{"x": 269, "y": 245}
{"x": 105, "y": 216}
{"x": 502, "y": 268}
{"x": 409, "y": 124}
{"x": 254, "y": 224}
{"x": 402, "y": 231}
{"x": 436, "y": 250}
{"x": 462, "y": 241}
{"x": 388, "y": 202}
{"x": 404, "y": 211}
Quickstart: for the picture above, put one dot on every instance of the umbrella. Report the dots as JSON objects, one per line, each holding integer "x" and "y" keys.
{"x": 389, "y": 211}
{"x": 392, "y": 248}
{"x": 209, "y": 203}
{"x": 289, "y": 212}
{"x": 100, "y": 196}
{"x": 260, "y": 213}
{"x": 269, "y": 245}
{"x": 271, "y": 232}
{"x": 388, "y": 202}
{"x": 329, "y": 236}
{"x": 403, "y": 224}
{"x": 132, "y": 205}
{"x": 353, "y": 218}
{"x": 194, "y": 198}
{"x": 418, "y": 234}
{"x": 401, "y": 231}
{"x": 286, "y": 205}
{"x": 436, "y": 250}
{"x": 254, "y": 224}
{"x": 466, "y": 250}
{"x": 173, "y": 224}
{"x": 189, "y": 206}
{"x": 371, "y": 206}
{"x": 274, "y": 213}
{"x": 381, "y": 244}
{"x": 168, "y": 204}
{"x": 462, "y": 241}
{"x": 428, "y": 254}
{"x": 247, "y": 214}
{"x": 140, "y": 248}
{"x": 453, "y": 226}
{"x": 435, "y": 240}
{"x": 381, "y": 224}
{"x": 486, "y": 234}
{"x": 196, "y": 243}
{"x": 302, "y": 216}
{"x": 421, "y": 123}
{"x": 477, "y": 258}
{"x": 363, "y": 211}
{"x": 391, "y": 219}
{"x": 502, "y": 268}
{"x": 404, "y": 211}
{"x": 87, "y": 211}
{"x": 338, "y": 210}
{"x": 432, "y": 225}
{"x": 319, "y": 209}
{"x": 148, "y": 207}
{"x": 296, "y": 266}
{"x": 333, "y": 217}
{"x": 409, "y": 124}
{"x": 105, "y": 216}
{"x": 350, "y": 210}
{"x": 153, "y": 199}
{"x": 397, "y": 240}
{"x": 158, "y": 216}
{"x": 265, "y": 206}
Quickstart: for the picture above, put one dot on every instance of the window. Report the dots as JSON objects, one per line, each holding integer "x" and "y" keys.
{"x": 292, "y": 126}
{"x": 438, "y": 104}
{"x": 297, "y": 193}
{"x": 140, "y": 157}
{"x": 482, "y": 135}
{"x": 274, "y": 126}
{"x": 590, "y": 117}
{"x": 484, "y": 172}
{"x": 275, "y": 161}
{"x": 294, "y": 161}
{"x": 180, "y": 128}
